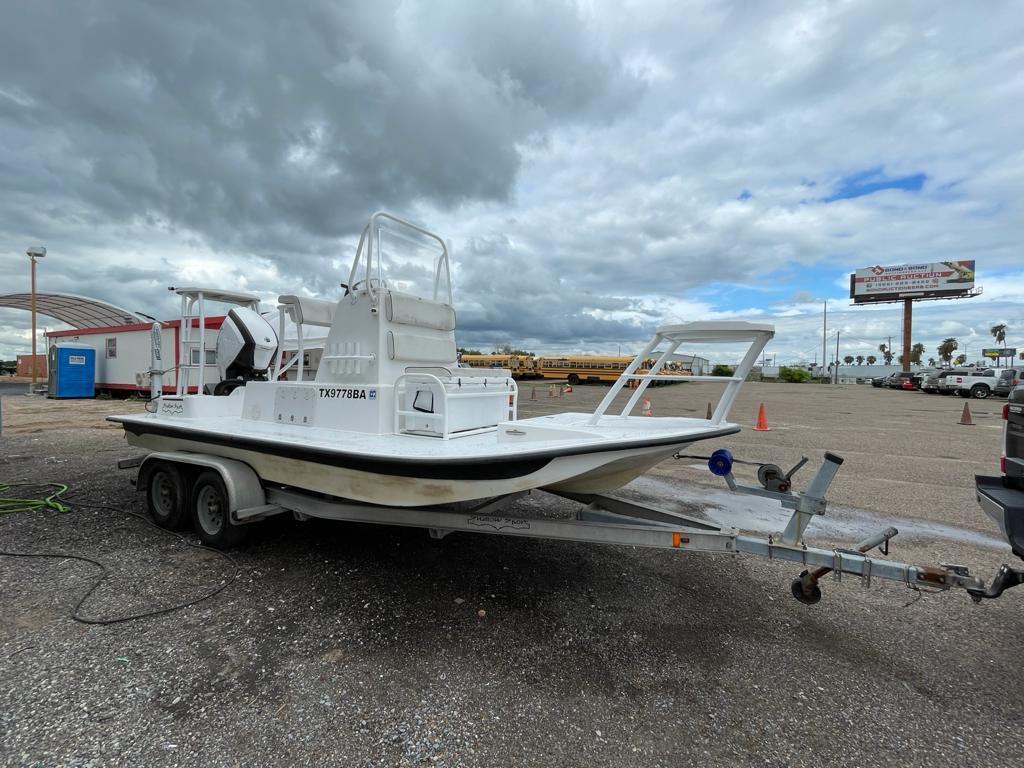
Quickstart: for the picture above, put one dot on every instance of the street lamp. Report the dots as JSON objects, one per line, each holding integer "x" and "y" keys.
{"x": 33, "y": 253}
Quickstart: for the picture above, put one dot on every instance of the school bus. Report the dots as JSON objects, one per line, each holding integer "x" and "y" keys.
{"x": 522, "y": 366}
{"x": 583, "y": 368}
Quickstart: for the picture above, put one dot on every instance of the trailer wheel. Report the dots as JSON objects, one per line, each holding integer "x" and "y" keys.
{"x": 167, "y": 496}
{"x": 211, "y": 512}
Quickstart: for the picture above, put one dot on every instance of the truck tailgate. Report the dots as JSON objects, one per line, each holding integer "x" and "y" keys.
{"x": 1005, "y": 505}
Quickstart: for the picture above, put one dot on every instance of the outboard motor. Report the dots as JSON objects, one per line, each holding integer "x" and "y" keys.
{"x": 246, "y": 346}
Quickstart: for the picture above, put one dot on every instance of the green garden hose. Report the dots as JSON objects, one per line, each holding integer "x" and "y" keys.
{"x": 12, "y": 504}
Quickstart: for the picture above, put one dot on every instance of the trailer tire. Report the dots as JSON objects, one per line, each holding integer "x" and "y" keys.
{"x": 167, "y": 496}
{"x": 211, "y": 512}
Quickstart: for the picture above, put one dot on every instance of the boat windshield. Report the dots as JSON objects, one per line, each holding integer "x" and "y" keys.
{"x": 397, "y": 255}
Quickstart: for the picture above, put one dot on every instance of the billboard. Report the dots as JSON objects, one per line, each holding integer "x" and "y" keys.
{"x": 943, "y": 279}
{"x": 995, "y": 353}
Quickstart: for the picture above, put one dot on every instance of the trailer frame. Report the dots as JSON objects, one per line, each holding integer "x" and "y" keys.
{"x": 600, "y": 519}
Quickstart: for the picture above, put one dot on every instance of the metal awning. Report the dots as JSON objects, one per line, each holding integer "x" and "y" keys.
{"x": 76, "y": 311}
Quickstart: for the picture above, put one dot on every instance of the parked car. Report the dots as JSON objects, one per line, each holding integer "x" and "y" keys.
{"x": 977, "y": 384}
{"x": 932, "y": 383}
{"x": 878, "y": 381}
{"x": 918, "y": 377}
{"x": 1008, "y": 379}
{"x": 896, "y": 381}
{"x": 948, "y": 384}
{"x": 1002, "y": 496}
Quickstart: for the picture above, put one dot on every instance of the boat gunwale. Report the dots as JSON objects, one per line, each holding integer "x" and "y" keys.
{"x": 434, "y": 467}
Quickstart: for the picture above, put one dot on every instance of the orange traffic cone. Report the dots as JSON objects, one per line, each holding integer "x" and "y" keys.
{"x": 762, "y": 420}
{"x": 568, "y": 389}
{"x": 645, "y": 407}
{"x": 965, "y": 417}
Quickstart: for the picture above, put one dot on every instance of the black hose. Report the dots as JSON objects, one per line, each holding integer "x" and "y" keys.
{"x": 105, "y": 572}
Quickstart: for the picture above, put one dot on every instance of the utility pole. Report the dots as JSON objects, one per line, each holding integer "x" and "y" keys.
{"x": 908, "y": 309}
{"x": 837, "y": 358}
{"x": 824, "y": 326}
{"x": 33, "y": 253}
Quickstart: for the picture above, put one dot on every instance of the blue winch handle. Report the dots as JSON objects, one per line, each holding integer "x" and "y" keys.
{"x": 720, "y": 462}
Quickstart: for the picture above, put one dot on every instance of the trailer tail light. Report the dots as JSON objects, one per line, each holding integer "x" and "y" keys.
{"x": 1006, "y": 411}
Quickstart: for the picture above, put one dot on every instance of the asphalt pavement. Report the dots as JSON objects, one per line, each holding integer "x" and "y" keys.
{"x": 361, "y": 645}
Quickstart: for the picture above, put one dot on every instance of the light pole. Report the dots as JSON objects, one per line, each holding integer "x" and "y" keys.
{"x": 33, "y": 253}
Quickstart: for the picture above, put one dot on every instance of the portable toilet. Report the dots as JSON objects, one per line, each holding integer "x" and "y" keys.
{"x": 72, "y": 371}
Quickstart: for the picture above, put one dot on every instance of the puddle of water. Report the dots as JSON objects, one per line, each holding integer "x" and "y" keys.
{"x": 752, "y": 513}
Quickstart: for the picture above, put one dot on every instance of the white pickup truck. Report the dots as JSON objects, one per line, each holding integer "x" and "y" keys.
{"x": 978, "y": 384}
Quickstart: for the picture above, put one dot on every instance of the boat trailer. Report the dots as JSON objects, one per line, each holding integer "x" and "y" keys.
{"x": 604, "y": 519}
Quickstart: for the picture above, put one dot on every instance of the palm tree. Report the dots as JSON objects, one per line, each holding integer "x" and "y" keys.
{"x": 915, "y": 353}
{"x": 871, "y": 359}
{"x": 999, "y": 333}
{"x": 886, "y": 353}
{"x": 860, "y": 359}
{"x": 848, "y": 359}
{"x": 931, "y": 362}
{"x": 947, "y": 348}
{"x": 960, "y": 360}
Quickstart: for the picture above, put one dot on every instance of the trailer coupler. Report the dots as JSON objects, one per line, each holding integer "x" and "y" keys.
{"x": 1007, "y": 578}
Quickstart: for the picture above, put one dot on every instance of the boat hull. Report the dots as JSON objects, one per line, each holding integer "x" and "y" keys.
{"x": 417, "y": 485}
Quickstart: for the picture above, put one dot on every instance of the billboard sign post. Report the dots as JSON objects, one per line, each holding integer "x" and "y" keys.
{"x": 913, "y": 282}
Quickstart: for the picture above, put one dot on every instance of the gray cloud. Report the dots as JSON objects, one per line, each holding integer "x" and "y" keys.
{"x": 261, "y": 126}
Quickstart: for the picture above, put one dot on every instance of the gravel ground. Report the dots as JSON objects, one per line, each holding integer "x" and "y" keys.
{"x": 363, "y": 645}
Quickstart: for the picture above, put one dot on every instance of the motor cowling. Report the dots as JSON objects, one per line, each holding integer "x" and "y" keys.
{"x": 246, "y": 346}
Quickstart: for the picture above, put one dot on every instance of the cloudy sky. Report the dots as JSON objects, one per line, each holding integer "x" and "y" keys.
{"x": 598, "y": 167}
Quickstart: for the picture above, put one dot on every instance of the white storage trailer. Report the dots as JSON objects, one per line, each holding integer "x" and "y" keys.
{"x": 123, "y": 354}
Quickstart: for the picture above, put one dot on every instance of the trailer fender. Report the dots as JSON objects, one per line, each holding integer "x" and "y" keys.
{"x": 245, "y": 492}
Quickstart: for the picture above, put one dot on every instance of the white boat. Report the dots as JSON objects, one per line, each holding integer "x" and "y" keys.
{"x": 391, "y": 431}
{"x": 390, "y": 418}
